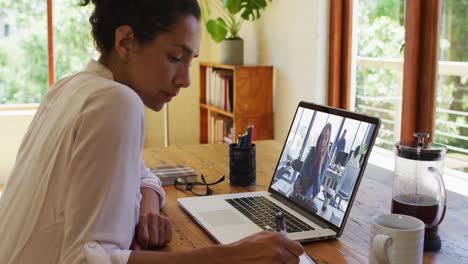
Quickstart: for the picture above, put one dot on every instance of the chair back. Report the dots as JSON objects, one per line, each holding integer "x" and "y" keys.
{"x": 348, "y": 180}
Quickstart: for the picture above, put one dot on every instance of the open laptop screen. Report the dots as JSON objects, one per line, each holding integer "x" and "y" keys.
{"x": 322, "y": 159}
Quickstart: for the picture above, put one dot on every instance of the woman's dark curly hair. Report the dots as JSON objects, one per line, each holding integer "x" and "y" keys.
{"x": 147, "y": 18}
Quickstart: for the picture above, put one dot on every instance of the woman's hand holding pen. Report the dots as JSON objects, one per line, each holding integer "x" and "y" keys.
{"x": 265, "y": 247}
{"x": 281, "y": 226}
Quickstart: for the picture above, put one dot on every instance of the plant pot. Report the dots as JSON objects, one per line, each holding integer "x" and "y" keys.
{"x": 232, "y": 51}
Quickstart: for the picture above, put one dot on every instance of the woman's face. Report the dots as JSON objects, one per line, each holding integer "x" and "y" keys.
{"x": 322, "y": 145}
{"x": 157, "y": 70}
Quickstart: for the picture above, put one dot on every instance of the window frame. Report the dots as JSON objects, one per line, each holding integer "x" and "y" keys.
{"x": 419, "y": 67}
{"x": 339, "y": 53}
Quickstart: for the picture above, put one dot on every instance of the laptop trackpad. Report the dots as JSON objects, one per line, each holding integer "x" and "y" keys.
{"x": 221, "y": 217}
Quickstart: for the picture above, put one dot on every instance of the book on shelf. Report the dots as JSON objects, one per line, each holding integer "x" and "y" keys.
{"x": 218, "y": 88}
{"x": 220, "y": 129}
{"x": 169, "y": 173}
{"x": 229, "y": 132}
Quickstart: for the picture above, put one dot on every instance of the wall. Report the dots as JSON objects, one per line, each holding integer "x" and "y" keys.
{"x": 13, "y": 126}
{"x": 291, "y": 37}
{"x": 154, "y": 134}
{"x": 294, "y": 39}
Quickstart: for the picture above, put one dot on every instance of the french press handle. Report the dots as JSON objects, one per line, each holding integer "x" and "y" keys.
{"x": 443, "y": 200}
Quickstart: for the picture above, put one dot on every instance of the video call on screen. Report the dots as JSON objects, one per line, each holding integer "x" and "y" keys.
{"x": 321, "y": 161}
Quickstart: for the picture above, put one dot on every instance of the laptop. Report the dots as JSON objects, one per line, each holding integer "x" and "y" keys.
{"x": 310, "y": 185}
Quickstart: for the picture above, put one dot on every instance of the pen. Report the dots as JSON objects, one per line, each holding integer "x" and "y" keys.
{"x": 280, "y": 224}
{"x": 251, "y": 135}
{"x": 244, "y": 140}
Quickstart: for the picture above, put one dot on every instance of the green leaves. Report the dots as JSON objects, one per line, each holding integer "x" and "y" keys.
{"x": 233, "y": 6}
{"x": 217, "y": 29}
{"x": 233, "y": 13}
{"x": 251, "y": 8}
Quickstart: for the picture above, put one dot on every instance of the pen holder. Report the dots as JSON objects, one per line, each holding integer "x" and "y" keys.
{"x": 242, "y": 168}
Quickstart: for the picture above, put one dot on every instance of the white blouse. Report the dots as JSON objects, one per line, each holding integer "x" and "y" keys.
{"x": 74, "y": 193}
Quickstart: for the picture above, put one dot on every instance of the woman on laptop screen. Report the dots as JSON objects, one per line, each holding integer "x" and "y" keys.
{"x": 315, "y": 166}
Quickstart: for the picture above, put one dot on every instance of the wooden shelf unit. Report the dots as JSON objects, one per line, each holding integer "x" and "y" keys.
{"x": 252, "y": 100}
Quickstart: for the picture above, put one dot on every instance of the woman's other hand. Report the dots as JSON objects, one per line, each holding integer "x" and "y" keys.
{"x": 153, "y": 230}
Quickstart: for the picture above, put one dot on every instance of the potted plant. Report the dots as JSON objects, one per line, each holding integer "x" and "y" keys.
{"x": 225, "y": 28}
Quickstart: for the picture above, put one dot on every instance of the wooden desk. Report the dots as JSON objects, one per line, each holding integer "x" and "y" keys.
{"x": 373, "y": 198}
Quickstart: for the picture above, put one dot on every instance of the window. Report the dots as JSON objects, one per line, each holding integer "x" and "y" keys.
{"x": 408, "y": 64}
{"x": 24, "y": 46}
{"x": 376, "y": 83}
{"x": 452, "y": 86}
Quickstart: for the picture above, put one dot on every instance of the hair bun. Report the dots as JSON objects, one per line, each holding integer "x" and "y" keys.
{"x": 147, "y": 18}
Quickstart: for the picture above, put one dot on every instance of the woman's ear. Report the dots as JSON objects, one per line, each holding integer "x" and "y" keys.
{"x": 125, "y": 41}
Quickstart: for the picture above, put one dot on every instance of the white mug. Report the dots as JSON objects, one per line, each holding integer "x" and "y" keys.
{"x": 396, "y": 238}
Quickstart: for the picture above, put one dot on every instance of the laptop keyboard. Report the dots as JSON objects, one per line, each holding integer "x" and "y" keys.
{"x": 263, "y": 211}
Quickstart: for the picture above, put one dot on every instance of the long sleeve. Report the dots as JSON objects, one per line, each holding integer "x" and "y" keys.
{"x": 151, "y": 181}
{"x": 102, "y": 201}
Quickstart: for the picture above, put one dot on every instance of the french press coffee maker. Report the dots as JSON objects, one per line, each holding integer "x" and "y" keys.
{"x": 418, "y": 186}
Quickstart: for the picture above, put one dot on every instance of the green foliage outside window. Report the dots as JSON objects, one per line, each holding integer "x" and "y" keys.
{"x": 381, "y": 35}
{"x": 452, "y": 91}
{"x": 23, "y": 54}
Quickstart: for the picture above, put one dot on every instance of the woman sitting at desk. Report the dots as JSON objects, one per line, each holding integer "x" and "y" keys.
{"x": 315, "y": 166}
{"x": 79, "y": 192}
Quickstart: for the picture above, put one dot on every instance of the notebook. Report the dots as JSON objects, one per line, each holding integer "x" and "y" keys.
{"x": 310, "y": 185}
{"x": 169, "y": 173}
